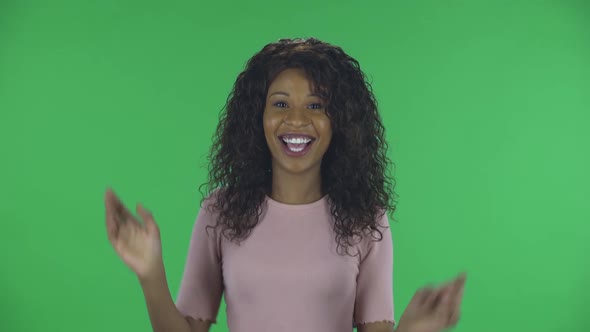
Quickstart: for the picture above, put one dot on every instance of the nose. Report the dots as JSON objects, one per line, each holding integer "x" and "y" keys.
{"x": 297, "y": 117}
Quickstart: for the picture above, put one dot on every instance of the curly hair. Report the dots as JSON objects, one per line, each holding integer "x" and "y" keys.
{"x": 354, "y": 169}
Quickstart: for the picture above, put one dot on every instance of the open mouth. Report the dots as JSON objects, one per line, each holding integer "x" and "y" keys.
{"x": 296, "y": 145}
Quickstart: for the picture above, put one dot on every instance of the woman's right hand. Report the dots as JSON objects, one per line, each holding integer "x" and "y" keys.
{"x": 138, "y": 244}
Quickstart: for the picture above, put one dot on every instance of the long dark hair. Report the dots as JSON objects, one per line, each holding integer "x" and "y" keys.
{"x": 355, "y": 168}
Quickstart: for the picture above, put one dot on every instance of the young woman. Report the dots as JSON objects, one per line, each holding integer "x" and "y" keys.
{"x": 294, "y": 228}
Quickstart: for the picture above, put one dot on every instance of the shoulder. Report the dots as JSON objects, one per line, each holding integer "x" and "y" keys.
{"x": 379, "y": 230}
{"x": 378, "y": 237}
{"x": 210, "y": 204}
{"x": 210, "y": 200}
{"x": 382, "y": 227}
{"x": 208, "y": 212}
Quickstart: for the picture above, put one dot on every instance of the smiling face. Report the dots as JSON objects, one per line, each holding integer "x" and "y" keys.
{"x": 296, "y": 126}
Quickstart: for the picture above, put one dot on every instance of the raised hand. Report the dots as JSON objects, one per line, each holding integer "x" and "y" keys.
{"x": 138, "y": 244}
{"x": 434, "y": 309}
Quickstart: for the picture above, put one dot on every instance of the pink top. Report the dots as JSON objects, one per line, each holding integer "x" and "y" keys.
{"x": 287, "y": 276}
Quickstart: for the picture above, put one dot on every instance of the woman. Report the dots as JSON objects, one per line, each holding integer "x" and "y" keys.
{"x": 294, "y": 230}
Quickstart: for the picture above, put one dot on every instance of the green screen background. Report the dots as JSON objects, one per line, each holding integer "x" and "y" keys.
{"x": 486, "y": 104}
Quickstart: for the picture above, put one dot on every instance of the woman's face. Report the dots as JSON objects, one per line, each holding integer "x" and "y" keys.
{"x": 296, "y": 126}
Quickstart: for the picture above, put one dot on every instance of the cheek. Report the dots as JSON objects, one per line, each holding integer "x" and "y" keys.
{"x": 324, "y": 127}
{"x": 327, "y": 133}
{"x": 271, "y": 124}
{"x": 267, "y": 123}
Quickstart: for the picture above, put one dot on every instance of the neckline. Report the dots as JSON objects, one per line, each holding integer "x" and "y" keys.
{"x": 305, "y": 206}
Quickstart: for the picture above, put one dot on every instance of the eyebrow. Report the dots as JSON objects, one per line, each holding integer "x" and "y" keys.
{"x": 286, "y": 94}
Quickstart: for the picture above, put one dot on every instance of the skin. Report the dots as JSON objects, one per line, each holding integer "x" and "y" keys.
{"x": 139, "y": 246}
{"x": 290, "y": 107}
{"x": 431, "y": 309}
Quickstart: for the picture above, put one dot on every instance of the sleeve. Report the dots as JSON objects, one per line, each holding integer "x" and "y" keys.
{"x": 374, "y": 293}
{"x": 201, "y": 286}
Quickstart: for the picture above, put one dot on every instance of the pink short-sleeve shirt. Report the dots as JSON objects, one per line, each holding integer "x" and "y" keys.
{"x": 287, "y": 275}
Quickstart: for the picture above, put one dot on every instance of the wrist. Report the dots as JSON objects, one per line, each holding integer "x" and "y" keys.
{"x": 154, "y": 277}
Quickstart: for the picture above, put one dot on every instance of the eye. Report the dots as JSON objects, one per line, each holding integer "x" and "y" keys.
{"x": 316, "y": 106}
{"x": 280, "y": 104}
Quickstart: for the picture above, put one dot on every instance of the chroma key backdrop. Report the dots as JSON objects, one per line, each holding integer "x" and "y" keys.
{"x": 486, "y": 106}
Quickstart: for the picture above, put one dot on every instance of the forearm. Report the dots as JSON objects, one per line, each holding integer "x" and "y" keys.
{"x": 399, "y": 328}
{"x": 162, "y": 310}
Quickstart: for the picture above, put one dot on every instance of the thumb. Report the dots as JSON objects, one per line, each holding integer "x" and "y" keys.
{"x": 148, "y": 218}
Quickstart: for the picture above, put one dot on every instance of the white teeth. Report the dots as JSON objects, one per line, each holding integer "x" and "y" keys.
{"x": 296, "y": 150}
{"x": 297, "y": 140}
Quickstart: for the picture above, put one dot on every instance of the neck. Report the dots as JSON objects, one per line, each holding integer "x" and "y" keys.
{"x": 296, "y": 189}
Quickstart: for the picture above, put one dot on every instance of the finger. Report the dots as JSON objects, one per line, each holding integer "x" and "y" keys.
{"x": 449, "y": 283}
{"x": 419, "y": 298}
{"x": 456, "y": 303}
{"x": 443, "y": 309}
{"x": 126, "y": 236}
{"x": 129, "y": 230}
{"x": 455, "y": 282}
{"x": 430, "y": 298}
{"x": 114, "y": 206}
{"x": 109, "y": 199}
{"x": 147, "y": 217}
{"x": 110, "y": 218}
{"x": 121, "y": 215}
{"x": 460, "y": 280}
{"x": 443, "y": 298}
{"x": 121, "y": 212}
{"x": 454, "y": 319}
{"x": 454, "y": 286}
{"x": 458, "y": 286}
{"x": 458, "y": 298}
{"x": 112, "y": 230}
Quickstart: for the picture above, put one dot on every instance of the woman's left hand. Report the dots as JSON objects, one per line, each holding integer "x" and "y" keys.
{"x": 434, "y": 309}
